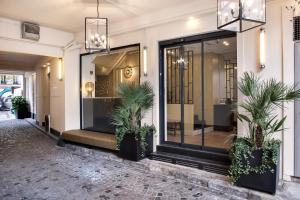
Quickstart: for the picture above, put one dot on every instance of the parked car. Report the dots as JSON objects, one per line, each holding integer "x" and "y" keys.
{"x": 5, "y": 99}
{"x": 7, "y": 102}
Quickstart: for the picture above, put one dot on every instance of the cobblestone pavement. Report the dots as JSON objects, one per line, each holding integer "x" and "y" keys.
{"x": 6, "y": 115}
{"x": 33, "y": 167}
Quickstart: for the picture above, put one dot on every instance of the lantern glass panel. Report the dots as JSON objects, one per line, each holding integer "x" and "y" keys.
{"x": 96, "y": 33}
{"x": 254, "y": 10}
{"x": 241, "y": 15}
{"x": 228, "y": 11}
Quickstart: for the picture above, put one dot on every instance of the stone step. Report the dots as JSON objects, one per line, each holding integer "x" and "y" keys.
{"x": 197, "y": 153}
{"x": 102, "y": 140}
{"x": 200, "y": 163}
{"x": 212, "y": 181}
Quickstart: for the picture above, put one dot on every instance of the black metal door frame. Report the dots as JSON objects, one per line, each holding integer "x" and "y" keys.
{"x": 181, "y": 42}
{"x": 182, "y": 92}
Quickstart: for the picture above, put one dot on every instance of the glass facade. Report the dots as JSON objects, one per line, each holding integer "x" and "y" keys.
{"x": 201, "y": 93}
{"x": 101, "y": 75}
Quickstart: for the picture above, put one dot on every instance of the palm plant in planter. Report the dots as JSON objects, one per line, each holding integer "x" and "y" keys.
{"x": 255, "y": 158}
{"x": 20, "y": 107}
{"x": 134, "y": 141}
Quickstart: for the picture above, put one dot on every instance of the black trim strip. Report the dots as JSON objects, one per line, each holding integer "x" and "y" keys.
{"x": 196, "y": 38}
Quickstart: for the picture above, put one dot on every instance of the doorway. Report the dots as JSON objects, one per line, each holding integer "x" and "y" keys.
{"x": 198, "y": 91}
{"x": 11, "y": 85}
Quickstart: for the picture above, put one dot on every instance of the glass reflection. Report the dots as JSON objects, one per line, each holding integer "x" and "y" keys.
{"x": 101, "y": 74}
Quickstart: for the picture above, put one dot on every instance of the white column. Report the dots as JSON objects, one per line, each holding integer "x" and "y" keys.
{"x": 288, "y": 78}
{"x": 72, "y": 90}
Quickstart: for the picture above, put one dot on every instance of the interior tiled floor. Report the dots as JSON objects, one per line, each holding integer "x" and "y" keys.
{"x": 33, "y": 167}
{"x": 216, "y": 139}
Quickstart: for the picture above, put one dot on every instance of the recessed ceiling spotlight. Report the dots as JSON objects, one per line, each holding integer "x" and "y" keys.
{"x": 226, "y": 43}
{"x": 44, "y": 66}
{"x": 47, "y": 63}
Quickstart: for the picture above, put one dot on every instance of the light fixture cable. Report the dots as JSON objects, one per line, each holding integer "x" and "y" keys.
{"x": 98, "y": 9}
{"x": 98, "y": 16}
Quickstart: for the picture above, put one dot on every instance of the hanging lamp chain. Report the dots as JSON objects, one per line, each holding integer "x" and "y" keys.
{"x": 97, "y": 8}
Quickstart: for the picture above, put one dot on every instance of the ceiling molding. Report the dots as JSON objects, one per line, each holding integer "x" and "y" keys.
{"x": 125, "y": 8}
{"x": 180, "y": 12}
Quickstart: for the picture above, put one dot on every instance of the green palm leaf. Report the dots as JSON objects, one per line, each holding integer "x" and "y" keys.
{"x": 263, "y": 97}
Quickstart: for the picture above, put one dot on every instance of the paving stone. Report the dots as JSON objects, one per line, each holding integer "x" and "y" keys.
{"x": 33, "y": 167}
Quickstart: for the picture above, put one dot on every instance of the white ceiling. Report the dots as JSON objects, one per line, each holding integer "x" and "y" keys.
{"x": 69, "y": 14}
{"x": 14, "y": 61}
{"x": 218, "y": 46}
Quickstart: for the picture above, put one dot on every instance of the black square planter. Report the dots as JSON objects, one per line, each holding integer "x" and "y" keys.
{"x": 265, "y": 182}
{"x": 130, "y": 148}
{"x": 21, "y": 114}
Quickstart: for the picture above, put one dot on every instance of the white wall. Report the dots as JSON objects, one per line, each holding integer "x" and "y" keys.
{"x": 57, "y": 98}
{"x": 52, "y": 93}
{"x": 50, "y": 43}
{"x": 29, "y": 91}
{"x": 72, "y": 90}
{"x": 42, "y": 91}
{"x": 288, "y": 77}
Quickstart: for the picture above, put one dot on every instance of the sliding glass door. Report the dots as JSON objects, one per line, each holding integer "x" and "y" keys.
{"x": 200, "y": 92}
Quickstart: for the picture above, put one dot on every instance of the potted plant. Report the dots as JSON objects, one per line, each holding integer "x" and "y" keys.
{"x": 134, "y": 141}
{"x": 255, "y": 158}
{"x": 20, "y": 107}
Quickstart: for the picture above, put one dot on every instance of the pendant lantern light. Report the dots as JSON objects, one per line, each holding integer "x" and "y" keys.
{"x": 96, "y": 33}
{"x": 241, "y": 15}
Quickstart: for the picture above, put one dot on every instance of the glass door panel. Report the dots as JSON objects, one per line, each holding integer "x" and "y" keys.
{"x": 184, "y": 94}
{"x": 173, "y": 90}
{"x": 220, "y": 92}
{"x": 193, "y": 94}
{"x": 201, "y": 93}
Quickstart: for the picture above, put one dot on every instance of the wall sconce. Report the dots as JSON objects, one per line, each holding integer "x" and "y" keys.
{"x": 262, "y": 48}
{"x": 145, "y": 61}
{"x": 60, "y": 69}
{"x": 121, "y": 75}
{"x": 89, "y": 87}
{"x": 128, "y": 72}
{"x": 48, "y": 69}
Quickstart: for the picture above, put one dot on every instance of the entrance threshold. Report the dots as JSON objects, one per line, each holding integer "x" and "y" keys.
{"x": 102, "y": 140}
{"x": 204, "y": 160}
